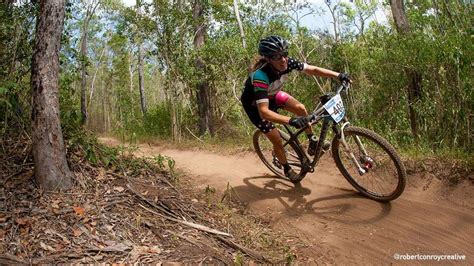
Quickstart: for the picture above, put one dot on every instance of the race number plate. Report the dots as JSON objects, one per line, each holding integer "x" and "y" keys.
{"x": 335, "y": 108}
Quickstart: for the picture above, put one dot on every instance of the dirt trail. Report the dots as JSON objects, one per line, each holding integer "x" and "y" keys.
{"x": 334, "y": 223}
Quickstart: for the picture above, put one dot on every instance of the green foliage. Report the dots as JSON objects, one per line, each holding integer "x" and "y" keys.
{"x": 157, "y": 122}
{"x": 160, "y": 160}
{"x": 378, "y": 58}
{"x": 16, "y": 28}
{"x": 209, "y": 192}
{"x": 86, "y": 145}
{"x": 380, "y": 62}
{"x": 238, "y": 258}
{"x": 289, "y": 255}
{"x": 440, "y": 47}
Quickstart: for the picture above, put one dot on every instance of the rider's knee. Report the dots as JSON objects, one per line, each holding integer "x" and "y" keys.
{"x": 301, "y": 108}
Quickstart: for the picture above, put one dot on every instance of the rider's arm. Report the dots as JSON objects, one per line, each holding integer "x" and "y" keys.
{"x": 319, "y": 71}
{"x": 271, "y": 116}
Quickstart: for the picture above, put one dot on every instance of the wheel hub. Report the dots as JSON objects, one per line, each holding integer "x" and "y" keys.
{"x": 367, "y": 163}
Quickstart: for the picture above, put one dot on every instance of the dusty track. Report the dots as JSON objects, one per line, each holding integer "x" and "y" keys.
{"x": 334, "y": 223}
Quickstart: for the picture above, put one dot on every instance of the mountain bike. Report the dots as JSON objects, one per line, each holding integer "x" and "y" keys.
{"x": 366, "y": 160}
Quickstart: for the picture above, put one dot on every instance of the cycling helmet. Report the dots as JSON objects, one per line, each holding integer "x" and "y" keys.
{"x": 272, "y": 45}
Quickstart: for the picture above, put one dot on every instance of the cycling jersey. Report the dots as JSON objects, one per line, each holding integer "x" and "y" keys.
{"x": 264, "y": 85}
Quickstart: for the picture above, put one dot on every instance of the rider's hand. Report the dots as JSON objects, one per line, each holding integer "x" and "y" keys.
{"x": 344, "y": 77}
{"x": 299, "y": 122}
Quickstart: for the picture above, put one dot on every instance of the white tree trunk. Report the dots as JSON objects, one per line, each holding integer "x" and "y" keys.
{"x": 239, "y": 22}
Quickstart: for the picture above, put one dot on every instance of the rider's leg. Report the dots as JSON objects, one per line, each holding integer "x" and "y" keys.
{"x": 294, "y": 106}
{"x": 277, "y": 141}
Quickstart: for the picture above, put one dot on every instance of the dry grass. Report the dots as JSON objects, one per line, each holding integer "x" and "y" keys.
{"x": 130, "y": 211}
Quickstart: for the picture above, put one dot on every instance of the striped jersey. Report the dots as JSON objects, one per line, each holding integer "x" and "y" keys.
{"x": 264, "y": 83}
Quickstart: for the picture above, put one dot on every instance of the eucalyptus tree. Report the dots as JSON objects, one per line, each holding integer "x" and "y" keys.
{"x": 203, "y": 89}
{"x": 90, "y": 7}
{"x": 141, "y": 77}
{"x": 335, "y": 9}
{"x": 49, "y": 155}
{"x": 359, "y": 14}
{"x": 239, "y": 22}
{"x": 414, "y": 90}
{"x": 170, "y": 33}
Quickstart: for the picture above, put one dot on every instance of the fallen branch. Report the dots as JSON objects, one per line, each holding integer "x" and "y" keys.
{"x": 194, "y": 135}
{"x": 9, "y": 260}
{"x": 151, "y": 203}
{"x": 185, "y": 238}
{"x": 193, "y": 225}
{"x": 167, "y": 182}
{"x": 118, "y": 247}
{"x": 246, "y": 250}
{"x": 173, "y": 217}
{"x": 55, "y": 257}
{"x": 200, "y": 245}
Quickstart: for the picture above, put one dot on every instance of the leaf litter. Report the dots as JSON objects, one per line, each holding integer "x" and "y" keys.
{"x": 114, "y": 215}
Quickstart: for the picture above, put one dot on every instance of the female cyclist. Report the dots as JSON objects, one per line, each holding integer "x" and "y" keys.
{"x": 262, "y": 96}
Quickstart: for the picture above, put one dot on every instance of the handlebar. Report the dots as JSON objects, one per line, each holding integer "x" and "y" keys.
{"x": 343, "y": 87}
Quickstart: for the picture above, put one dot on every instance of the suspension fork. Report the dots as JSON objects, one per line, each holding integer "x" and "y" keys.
{"x": 357, "y": 139}
{"x": 347, "y": 149}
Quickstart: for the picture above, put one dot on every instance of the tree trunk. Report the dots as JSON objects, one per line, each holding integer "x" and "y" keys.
{"x": 239, "y": 22}
{"x": 14, "y": 48}
{"x": 84, "y": 71}
{"x": 171, "y": 99}
{"x": 362, "y": 24}
{"x": 414, "y": 89}
{"x": 130, "y": 69}
{"x": 89, "y": 13}
{"x": 95, "y": 75}
{"x": 49, "y": 154}
{"x": 334, "y": 18}
{"x": 414, "y": 94}
{"x": 141, "y": 78}
{"x": 399, "y": 16}
{"x": 202, "y": 86}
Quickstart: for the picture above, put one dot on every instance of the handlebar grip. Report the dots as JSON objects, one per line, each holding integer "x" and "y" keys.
{"x": 310, "y": 118}
{"x": 344, "y": 86}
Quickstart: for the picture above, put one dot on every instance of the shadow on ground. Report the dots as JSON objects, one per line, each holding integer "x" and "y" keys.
{"x": 295, "y": 200}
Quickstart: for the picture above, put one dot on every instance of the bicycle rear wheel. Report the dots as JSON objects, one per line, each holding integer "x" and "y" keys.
{"x": 264, "y": 149}
{"x": 385, "y": 176}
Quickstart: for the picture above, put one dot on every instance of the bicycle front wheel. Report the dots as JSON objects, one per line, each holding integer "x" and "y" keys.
{"x": 385, "y": 176}
{"x": 264, "y": 149}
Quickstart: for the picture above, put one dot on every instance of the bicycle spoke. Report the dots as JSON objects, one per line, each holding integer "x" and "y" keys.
{"x": 381, "y": 178}
{"x": 265, "y": 151}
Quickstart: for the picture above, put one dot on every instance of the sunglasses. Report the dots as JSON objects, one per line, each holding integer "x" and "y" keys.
{"x": 279, "y": 56}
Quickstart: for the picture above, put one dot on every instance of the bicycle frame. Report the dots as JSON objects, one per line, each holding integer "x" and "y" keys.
{"x": 308, "y": 164}
{"x": 317, "y": 115}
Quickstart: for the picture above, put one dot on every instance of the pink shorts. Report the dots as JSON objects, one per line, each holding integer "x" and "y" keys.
{"x": 281, "y": 98}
